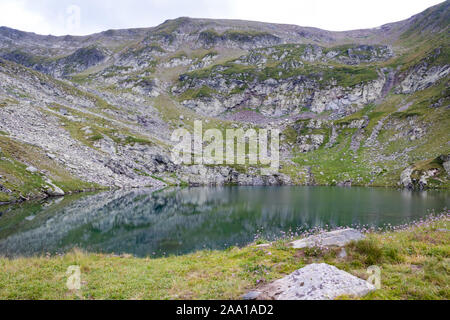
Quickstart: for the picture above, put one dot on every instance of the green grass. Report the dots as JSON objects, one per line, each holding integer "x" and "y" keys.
{"x": 210, "y": 36}
{"x": 7, "y": 101}
{"x": 170, "y": 112}
{"x": 247, "y": 35}
{"x": 345, "y": 76}
{"x": 178, "y": 55}
{"x": 290, "y": 135}
{"x": 100, "y": 126}
{"x": 135, "y": 140}
{"x": 192, "y": 94}
{"x": 414, "y": 265}
{"x": 231, "y": 69}
{"x": 332, "y": 165}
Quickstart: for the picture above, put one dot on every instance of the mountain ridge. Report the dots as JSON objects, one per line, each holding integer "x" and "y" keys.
{"x": 226, "y": 23}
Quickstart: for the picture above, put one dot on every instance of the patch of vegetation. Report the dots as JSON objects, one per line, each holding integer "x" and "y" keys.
{"x": 80, "y": 78}
{"x": 238, "y": 89}
{"x": 433, "y": 50}
{"x": 228, "y": 70}
{"x": 437, "y": 16}
{"x": 99, "y": 128}
{"x": 248, "y": 35}
{"x": 178, "y": 55}
{"x": 349, "y": 76}
{"x": 156, "y": 47}
{"x": 414, "y": 265}
{"x": 344, "y": 76}
{"x": 7, "y": 101}
{"x": 192, "y": 94}
{"x": 24, "y": 58}
{"x": 209, "y": 36}
{"x": 96, "y": 137}
{"x": 201, "y": 54}
{"x": 290, "y": 135}
{"x": 135, "y": 140}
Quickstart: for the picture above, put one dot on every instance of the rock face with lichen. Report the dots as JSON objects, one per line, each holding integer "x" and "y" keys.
{"x": 315, "y": 282}
{"x": 284, "y": 80}
{"x": 425, "y": 173}
{"x": 337, "y": 238}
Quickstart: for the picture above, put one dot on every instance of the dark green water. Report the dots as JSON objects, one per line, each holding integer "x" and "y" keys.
{"x": 174, "y": 221}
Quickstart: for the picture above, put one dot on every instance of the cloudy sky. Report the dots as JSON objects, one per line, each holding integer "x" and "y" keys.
{"x": 80, "y": 17}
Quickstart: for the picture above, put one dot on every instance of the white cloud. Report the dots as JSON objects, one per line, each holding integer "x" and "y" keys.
{"x": 330, "y": 14}
{"x": 15, "y": 14}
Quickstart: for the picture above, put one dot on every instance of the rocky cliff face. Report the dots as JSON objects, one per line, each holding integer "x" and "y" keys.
{"x": 357, "y": 107}
{"x": 286, "y": 80}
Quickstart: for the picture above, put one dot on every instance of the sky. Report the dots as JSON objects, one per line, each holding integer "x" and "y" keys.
{"x": 81, "y": 17}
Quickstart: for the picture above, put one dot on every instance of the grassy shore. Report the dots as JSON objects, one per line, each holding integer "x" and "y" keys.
{"x": 415, "y": 264}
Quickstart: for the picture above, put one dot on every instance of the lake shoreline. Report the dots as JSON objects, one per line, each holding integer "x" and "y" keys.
{"x": 160, "y": 222}
{"x": 406, "y": 257}
{"x": 106, "y": 189}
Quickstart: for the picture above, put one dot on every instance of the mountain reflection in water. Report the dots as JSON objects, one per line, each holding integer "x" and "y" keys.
{"x": 177, "y": 221}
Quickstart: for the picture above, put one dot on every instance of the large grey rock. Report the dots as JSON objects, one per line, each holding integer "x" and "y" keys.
{"x": 405, "y": 177}
{"x": 31, "y": 169}
{"x": 337, "y": 238}
{"x": 52, "y": 190}
{"x": 423, "y": 76}
{"x": 316, "y": 282}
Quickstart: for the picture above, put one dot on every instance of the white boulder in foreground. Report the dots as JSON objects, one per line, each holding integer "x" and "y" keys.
{"x": 315, "y": 282}
{"x": 338, "y": 238}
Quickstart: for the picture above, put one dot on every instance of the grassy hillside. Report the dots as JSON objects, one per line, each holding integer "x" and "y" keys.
{"x": 18, "y": 183}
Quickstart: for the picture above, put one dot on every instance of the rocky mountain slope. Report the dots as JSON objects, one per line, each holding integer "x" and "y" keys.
{"x": 365, "y": 107}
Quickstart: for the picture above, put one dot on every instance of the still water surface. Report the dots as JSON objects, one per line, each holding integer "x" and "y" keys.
{"x": 177, "y": 221}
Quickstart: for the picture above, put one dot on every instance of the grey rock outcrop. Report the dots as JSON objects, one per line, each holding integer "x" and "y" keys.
{"x": 405, "y": 178}
{"x": 276, "y": 97}
{"x": 198, "y": 175}
{"x": 52, "y": 190}
{"x": 338, "y": 238}
{"x": 422, "y": 77}
{"x": 315, "y": 282}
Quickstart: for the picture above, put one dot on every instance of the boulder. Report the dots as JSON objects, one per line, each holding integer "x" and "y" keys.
{"x": 31, "y": 169}
{"x": 314, "y": 282}
{"x": 52, "y": 190}
{"x": 337, "y": 238}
